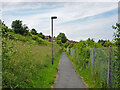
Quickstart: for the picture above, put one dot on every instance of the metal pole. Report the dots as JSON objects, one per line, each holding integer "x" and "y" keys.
{"x": 109, "y": 68}
{"x": 52, "y": 38}
{"x": 54, "y": 17}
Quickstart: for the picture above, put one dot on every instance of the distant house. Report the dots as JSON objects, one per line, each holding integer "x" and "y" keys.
{"x": 54, "y": 40}
{"x": 49, "y": 39}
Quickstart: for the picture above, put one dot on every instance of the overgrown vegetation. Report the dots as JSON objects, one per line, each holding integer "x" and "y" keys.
{"x": 26, "y": 58}
{"x": 117, "y": 61}
{"x": 82, "y": 60}
{"x": 61, "y": 38}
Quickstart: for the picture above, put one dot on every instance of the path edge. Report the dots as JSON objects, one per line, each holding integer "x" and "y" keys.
{"x": 56, "y": 76}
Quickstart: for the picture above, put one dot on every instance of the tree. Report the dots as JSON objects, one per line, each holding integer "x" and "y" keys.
{"x": 117, "y": 34}
{"x": 59, "y": 42}
{"x": 41, "y": 35}
{"x": 33, "y": 31}
{"x": 4, "y": 29}
{"x": 19, "y": 28}
{"x": 71, "y": 45}
{"x": 102, "y": 42}
{"x": 108, "y": 43}
{"x": 66, "y": 44}
{"x": 49, "y": 36}
{"x": 25, "y": 29}
{"x": 61, "y": 37}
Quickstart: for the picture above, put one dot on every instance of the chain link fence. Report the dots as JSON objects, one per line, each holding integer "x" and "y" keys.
{"x": 101, "y": 62}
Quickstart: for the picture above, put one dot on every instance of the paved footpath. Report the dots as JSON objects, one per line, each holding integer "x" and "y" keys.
{"x": 67, "y": 76}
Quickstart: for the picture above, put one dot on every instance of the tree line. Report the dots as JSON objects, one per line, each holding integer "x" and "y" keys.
{"x": 82, "y": 58}
{"x": 19, "y": 28}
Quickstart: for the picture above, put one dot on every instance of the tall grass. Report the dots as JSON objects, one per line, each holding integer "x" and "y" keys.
{"x": 95, "y": 73}
{"x": 27, "y": 64}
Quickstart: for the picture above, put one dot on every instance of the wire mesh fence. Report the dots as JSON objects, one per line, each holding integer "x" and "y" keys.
{"x": 71, "y": 51}
{"x": 101, "y": 62}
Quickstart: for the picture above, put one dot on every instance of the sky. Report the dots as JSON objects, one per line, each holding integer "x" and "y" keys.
{"x": 78, "y": 20}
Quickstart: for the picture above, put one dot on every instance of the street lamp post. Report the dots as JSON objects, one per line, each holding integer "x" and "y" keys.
{"x": 53, "y": 17}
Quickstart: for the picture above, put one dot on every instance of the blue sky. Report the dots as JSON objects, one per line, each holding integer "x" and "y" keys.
{"x": 78, "y": 20}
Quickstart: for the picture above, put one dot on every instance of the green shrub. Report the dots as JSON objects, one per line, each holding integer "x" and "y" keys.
{"x": 39, "y": 40}
{"x": 34, "y": 37}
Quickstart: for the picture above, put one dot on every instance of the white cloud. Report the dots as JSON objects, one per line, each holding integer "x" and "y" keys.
{"x": 66, "y": 13}
{"x": 7, "y": 6}
{"x": 100, "y": 28}
{"x": 59, "y": 0}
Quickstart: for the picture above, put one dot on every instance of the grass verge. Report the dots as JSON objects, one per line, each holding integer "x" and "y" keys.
{"x": 27, "y": 64}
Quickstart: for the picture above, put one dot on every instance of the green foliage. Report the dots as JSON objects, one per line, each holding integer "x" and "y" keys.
{"x": 97, "y": 77}
{"x": 41, "y": 35}
{"x": 108, "y": 44}
{"x": 9, "y": 34}
{"x": 82, "y": 61}
{"x": 61, "y": 37}
{"x": 33, "y": 31}
{"x": 66, "y": 44}
{"x": 27, "y": 64}
{"x": 4, "y": 29}
{"x": 38, "y": 39}
{"x": 25, "y": 29}
{"x": 102, "y": 42}
{"x": 19, "y": 28}
{"x": 117, "y": 61}
{"x": 59, "y": 42}
{"x": 34, "y": 37}
{"x": 70, "y": 45}
{"x": 26, "y": 59}
{"x": 117, "y": 34}
{"x": 82, "y": 49}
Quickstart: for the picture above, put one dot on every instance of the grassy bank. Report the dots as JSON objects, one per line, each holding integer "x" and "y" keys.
{"x": 26, "y": 63}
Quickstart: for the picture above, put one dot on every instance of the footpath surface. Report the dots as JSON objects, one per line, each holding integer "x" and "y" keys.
{"x": 67, "y": 76}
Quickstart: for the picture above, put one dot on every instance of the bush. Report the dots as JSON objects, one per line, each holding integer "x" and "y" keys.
{"x": 39, "y": 40}
{"x": 4, "y": 29}
{"x": 70, "y": 45}
{"x": 10, "y": 36}
{"x": 19, "y": 28}
{"x": 41, "y": 35}
{"x": 34, "y": 37}
{"x": 33, "y": 31}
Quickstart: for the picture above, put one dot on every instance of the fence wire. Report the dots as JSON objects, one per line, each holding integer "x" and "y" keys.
{"x": 101, "y": 63}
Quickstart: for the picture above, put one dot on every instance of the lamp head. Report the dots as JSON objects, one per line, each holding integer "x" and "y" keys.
{"x": 53, "y": 17}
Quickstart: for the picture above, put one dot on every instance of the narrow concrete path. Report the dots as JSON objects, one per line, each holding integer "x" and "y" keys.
{"x": 67, "y": 76}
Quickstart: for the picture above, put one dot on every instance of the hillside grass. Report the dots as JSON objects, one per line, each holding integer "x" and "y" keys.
{"x": 27, "y": 63}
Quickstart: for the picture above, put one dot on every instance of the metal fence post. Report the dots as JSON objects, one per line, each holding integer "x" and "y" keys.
{"x": 73, "y": 52}
{"x": 109, "y": 68}
{"x": 93, "y": 60}
{"x": 93, "y": 57}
